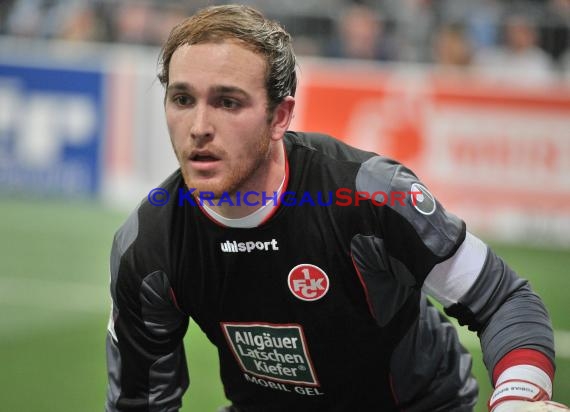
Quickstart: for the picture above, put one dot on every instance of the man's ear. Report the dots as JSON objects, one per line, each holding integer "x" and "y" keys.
{"x": 282, "y": 115}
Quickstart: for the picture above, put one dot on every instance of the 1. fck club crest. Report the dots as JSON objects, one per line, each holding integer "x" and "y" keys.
{"x": 308, "y": 282}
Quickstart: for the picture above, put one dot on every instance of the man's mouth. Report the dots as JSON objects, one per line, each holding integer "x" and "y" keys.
{"x": 203, "y": 156}
{"x": 203, "y": 160}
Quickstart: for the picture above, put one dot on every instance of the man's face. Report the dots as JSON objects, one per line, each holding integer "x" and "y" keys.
{"x": 216, "y": 111}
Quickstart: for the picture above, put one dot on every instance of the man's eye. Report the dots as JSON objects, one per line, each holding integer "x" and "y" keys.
{"x": 229, "y": 104}
{"x": 182, "y": 100}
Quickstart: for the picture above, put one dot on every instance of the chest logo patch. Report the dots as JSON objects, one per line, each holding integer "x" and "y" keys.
{"x": 277, "y": 352}
{"x": 308, "y": 282}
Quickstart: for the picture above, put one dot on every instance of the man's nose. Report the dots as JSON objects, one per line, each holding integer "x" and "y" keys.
{"x": 201, "y": 126}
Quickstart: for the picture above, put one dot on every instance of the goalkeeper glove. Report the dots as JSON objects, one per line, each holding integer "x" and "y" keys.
{"x": 522, "y": 396}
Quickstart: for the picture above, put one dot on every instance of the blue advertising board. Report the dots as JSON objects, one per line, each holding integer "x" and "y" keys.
{"x": 51, "y": 130}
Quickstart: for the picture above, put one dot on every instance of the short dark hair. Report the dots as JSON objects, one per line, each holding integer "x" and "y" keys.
{"x": 247, "y": 25}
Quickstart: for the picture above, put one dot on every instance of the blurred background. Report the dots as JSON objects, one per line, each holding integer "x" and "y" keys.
{"x": 473, "y": 95}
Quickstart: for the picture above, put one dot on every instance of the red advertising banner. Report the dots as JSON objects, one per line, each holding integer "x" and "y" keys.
{"x": 498, "y": 155}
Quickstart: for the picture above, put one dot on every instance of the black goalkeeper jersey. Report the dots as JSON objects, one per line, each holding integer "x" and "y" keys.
{"x": 319, "y": 308}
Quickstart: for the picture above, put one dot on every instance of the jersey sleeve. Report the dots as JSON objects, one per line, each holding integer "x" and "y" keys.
{"x": 459, "y": 270}
{"x": 146, "y": 362}
{"x": 506, "y": 314}
{"x": 480, "y": 290}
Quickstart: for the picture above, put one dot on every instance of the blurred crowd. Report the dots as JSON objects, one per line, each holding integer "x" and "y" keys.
{"x": 526, "y": 37}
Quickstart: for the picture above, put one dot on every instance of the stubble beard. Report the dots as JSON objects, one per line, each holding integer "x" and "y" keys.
{"x": 237, "y": 178}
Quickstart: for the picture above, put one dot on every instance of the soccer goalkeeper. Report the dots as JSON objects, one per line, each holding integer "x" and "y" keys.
{"x": 311, "y": 307}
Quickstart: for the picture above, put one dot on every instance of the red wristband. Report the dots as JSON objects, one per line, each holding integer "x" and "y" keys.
{"x": 524, "y": 357}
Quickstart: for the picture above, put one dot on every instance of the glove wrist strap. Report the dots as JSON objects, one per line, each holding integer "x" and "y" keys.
{"x": 517, "y": 389}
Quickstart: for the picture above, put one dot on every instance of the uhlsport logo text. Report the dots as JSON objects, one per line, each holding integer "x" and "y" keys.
{"x": 249, "y": 246}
